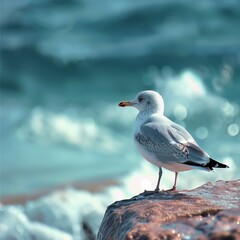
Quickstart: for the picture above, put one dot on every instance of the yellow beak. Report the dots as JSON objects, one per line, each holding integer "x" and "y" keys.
{"x": 125, "y": 104}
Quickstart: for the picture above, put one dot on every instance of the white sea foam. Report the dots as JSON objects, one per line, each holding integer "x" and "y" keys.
{"x": 82, "y": 132}
{"x": 14, "y": 224}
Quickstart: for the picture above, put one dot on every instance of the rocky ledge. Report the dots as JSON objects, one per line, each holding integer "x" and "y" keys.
{"x": 211, "y": 211}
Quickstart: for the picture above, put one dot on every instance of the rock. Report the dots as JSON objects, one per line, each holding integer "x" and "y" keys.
{"x": 211, "y": 211}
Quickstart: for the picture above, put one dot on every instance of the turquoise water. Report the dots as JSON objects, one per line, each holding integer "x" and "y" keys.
{"x": 65, "y": 65}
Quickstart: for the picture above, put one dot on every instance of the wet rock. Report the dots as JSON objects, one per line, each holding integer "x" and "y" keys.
{"x": 211, "y": 211}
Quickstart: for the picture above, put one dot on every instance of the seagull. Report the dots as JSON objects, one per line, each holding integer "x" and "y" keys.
{"x": 163, "y": 142}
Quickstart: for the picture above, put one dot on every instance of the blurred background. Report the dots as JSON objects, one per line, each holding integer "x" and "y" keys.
{"x": 66, "y": 64}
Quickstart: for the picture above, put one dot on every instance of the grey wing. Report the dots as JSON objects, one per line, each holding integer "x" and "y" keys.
{"x": 179, "y": 140}
{"x": 183, "y": 132}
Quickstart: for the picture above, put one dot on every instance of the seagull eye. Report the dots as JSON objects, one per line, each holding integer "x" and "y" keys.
{"x": 140, "y": 99}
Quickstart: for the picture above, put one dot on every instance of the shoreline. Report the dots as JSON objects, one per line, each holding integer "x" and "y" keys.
{"x": 21, "y": 199}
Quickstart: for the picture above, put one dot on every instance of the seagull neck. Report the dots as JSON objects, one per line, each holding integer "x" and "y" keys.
{"x": 145, "y": 114}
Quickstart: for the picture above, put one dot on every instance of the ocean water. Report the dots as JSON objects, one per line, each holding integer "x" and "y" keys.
{"x": 65, "y": 65}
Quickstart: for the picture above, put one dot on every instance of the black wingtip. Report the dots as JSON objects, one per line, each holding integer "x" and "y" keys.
{"x": 215, "y": 164}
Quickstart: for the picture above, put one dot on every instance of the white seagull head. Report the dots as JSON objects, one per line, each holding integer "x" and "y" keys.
{"x": 149, "y": 101}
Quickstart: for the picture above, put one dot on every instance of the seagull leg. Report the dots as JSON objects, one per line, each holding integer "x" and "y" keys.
{"x": 174, "y": 188}
{"x": 175, "y": 182}
{"x": 147, "y": 193}
{"x": 159, "y": 178}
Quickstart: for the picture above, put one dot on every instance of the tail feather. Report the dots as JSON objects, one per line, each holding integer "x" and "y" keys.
{"x": 215, "y": 164}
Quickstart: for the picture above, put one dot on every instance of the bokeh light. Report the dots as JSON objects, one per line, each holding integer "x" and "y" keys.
{"x": 233, "y": 129}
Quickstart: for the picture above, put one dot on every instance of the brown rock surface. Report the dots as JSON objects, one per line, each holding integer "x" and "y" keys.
{"x": 211, "y": 211}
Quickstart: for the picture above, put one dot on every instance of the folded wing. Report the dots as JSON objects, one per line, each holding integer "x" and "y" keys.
{"x": 188, "y": 151}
